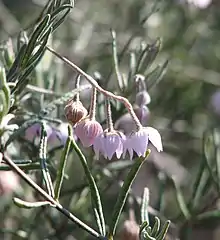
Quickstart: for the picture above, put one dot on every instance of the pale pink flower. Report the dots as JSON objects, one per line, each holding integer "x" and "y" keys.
{"x": 108, "y": 144}
{"x": 200, "y": 3}
{"x": 138, "y": 141}
{"x": 59, "y": 135}
{"x": 34, "y": 131}
{"x": 87, "y": 130}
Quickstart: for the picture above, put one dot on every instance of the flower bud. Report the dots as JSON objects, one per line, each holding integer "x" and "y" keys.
{"x": 87, "y": 130}
{"x": 142, "y": 98}
{"x": 130, "y": 231}
{"x": 143, "y": 114}
{"x": 74, "y": 111}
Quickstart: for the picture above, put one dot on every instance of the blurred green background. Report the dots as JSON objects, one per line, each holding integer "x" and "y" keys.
{"x": 182, "y": 104}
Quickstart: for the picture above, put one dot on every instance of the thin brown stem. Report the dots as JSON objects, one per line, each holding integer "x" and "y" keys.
{"x": 58, "y": 206}
{"x": 93, "y": 82}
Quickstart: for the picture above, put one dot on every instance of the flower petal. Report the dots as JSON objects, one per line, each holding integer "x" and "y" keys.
{"x": 110, "y": 144}
{"x": 155, "y": 138}
{"x": 98, "y": 146}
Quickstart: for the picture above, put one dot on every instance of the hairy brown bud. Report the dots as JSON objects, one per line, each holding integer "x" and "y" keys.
{"x": 130, "y": 231}
{"x": 74, "y": 111}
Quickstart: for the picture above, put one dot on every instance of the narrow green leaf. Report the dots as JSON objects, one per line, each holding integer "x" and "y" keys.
{"x": 156, "y": 227}
{"x": 162, "y": 234}
{"x": 41, "y": 49}
{"x": 58, "y": 3}
{"x": 115, "y": 60}
{"x": 132, "y": 66}
{"x": 5, "y": 92}
{"x": 154, "y": 77}
{"x": 24, "y": 167}
{"x": 148, "y": 237}
{"x": 24, "y": 204}
{"x": 181, "y": 201}
{"x": 59, "y": 10}
{"x": 210, "y": 156}
{"x": 95, "y": 196}
{"x": 32, "y": 63}
{"x": 57, "y": 23}
{"x": 149, "y": 56}
{"x": 144, "y": 206}
{"x": 208, "y": 215}
{"x": 43, "y": 158}
{"x": 143, "y": 226}
{"x": 202, "y": 178}
{"x": 124, "y": 193}
{"x": 63, "y": 160}
{"x": 34, "y": 39}
{"x": 13, "y": 71}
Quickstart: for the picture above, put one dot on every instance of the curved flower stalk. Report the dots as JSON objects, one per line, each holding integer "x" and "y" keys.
{"x": 126, "y": 124}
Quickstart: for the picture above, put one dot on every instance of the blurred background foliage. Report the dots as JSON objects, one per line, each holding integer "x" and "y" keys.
{"x": 184, "y": 107}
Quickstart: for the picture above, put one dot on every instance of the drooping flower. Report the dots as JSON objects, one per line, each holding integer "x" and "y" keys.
{"x": 75, "y": 111}
{"x": 33, "y": 132}
{"x": 87, "y": 130}
{"x": 109, "y": 143}
{"x": 138, "y": 141}
{"x": 59, "y": 136}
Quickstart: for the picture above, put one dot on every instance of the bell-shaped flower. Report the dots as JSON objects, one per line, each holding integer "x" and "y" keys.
{"x": 87, "y": 130}
{"x": 33, "y": 132}
{"x": 138, "y": 141}
{"x": 59, "y": 136}
{"x": 108, "y": 144}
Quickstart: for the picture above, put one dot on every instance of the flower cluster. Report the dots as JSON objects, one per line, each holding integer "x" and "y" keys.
{"x": 110, "y": 142}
